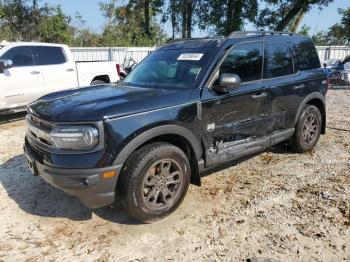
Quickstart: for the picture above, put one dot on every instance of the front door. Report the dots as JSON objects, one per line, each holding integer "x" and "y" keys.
{"x": 23, "y": 83}
{"x": 240, "y": 116}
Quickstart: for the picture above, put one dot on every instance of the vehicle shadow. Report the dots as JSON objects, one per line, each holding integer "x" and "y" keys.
{"x": 12, "y": 117}
{"x": 34, "y": 196}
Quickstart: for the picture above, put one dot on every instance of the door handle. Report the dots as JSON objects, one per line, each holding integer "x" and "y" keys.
{"x": 299, "y": 87}
{"x": 35, "y": 72}
{"x": 70, "y": 70}
{"x": 260, "y": 96}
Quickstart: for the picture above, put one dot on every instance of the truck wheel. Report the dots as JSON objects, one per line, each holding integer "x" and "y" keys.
{"x": 308, "y": 129}
{"x": 154, "y": 181}
{"x": 97, "y": 82}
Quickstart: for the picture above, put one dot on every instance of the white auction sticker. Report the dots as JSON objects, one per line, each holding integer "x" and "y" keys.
{"x": 190, "y": 56}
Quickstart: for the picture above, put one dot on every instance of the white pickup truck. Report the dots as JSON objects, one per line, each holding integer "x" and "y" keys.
{"x": 31, "y": 70}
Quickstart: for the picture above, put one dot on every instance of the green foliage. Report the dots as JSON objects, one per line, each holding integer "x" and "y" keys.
{"x": 304, "y": 30}
{"x": 138, "y": 22}
{"x": 280, "y": 14}
{"x": 54, "y": 25}
{"x": 224, "y": 16}
{"x": 126, "y": 27}
{"x": 338, "y": 34}
{"x": 21, "y": 22}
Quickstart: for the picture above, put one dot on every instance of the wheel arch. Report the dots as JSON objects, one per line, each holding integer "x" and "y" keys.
{"x": 318, "y": 100}
{"x": 104, "y": 78}
{"x": 172, "y": 134}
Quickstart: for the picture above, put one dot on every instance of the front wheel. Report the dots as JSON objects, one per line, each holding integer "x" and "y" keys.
{"x": 154, "y": 181}
{"x": 308, "y": 129}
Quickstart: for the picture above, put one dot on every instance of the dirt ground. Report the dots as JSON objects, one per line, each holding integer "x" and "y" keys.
{"x": 277, "y": 205}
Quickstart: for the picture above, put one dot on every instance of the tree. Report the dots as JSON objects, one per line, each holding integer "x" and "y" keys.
{"x": 280, "y": 14}
{"x": 54, "y": 25}
{"x": 148, "y": 9}
{"x": 15, "y": 22}
{"x": 182, "y": 16}
{"x": 127, "y": 29}
{"x": 224, "y": 16}
{"x": 304, "y": 30}
{"x": 340, "y": 32}
{"x": 23, "y": 20}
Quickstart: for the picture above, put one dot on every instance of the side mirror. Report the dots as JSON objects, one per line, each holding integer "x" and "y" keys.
{"x": 227, "y": 82}
{"x": 5, "y": 64}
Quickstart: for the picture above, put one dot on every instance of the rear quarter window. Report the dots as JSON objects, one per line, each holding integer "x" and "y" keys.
{"x": 305, "y": 56}
{"x": 50, "y": 55}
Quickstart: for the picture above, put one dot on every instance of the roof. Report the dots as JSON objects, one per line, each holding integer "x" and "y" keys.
{"x": 192, "y": 43}
{"x": 202, "y": 43}
{"x": 5, "y": 43}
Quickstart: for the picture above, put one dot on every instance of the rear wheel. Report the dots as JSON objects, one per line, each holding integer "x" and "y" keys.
{"x": 97, "y": 82}
{"x": 308, "y": 129}
{"x": 154, "y": 182}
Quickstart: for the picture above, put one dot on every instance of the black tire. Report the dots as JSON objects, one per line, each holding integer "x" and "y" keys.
{"x": 337, "y": 75}
{"x": 97, "y": 82}
{"x": 143, "y": 188}
{"x": 308, "y": 129}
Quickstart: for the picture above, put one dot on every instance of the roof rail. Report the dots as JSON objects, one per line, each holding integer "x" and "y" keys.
{"x": 188, "y": 39}
{"x": 238, "y": 34}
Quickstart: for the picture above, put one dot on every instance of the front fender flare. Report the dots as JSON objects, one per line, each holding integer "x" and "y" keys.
{"x": 155, "y": 132}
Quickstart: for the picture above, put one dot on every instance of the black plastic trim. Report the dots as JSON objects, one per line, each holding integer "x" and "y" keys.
{"x": 158, "y": 131}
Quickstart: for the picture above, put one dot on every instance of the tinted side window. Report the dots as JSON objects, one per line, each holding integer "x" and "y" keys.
{"x": 20, "y": 56}
{"x": 278, "y": 61}
{"x": 50, "y": 55}
{"x": 305, "y": 56}
{"x": 245, "y": 60}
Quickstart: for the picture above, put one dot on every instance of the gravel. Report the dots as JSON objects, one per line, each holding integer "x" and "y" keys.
{"x": 277, "y": 206}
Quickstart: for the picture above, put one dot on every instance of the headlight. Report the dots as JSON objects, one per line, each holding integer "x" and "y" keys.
{"x": 77, "y": 137}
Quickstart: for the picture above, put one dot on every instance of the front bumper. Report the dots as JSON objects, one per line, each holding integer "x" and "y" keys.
{"x": 88, "y": 185}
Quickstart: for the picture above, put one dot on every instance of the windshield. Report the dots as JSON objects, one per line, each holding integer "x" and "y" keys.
{"x": 170, "y": 69}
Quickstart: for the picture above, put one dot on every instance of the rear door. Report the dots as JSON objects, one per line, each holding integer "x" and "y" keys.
{"x": 59, "y": 72}
{"x": 23, "y": 83}
{"x": 283, "y": 84}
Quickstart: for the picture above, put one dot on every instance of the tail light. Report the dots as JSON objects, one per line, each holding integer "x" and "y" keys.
{"x": 117, "y": 66}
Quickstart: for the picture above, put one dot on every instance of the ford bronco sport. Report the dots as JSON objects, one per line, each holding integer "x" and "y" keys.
{"x": 189, "y": 106}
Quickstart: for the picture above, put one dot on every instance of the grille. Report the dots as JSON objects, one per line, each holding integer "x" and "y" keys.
{"x": 41, "y": 123}
{"x": 39, "y": 131}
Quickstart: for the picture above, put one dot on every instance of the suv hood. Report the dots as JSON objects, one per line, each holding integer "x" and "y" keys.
{"x": 101, "y": 102}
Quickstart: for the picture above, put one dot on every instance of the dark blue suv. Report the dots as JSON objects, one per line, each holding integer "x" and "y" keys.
{"x": 189, "y": 106}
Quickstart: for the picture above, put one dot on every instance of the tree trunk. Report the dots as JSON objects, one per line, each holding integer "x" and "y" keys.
{"x": 147, "y": 18}
{"x": 173, "y": 17}
{"x": 234, "y": 16}
{"x": 184, "y": 20}
{"x": 229, "y": 17}
{"x": 290, "y": 15}
{"x": 189, "y": 19}
{"x": 297, "y": 21}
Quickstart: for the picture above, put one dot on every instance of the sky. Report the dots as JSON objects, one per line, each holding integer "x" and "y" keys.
{"x": 317, "y": 19}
